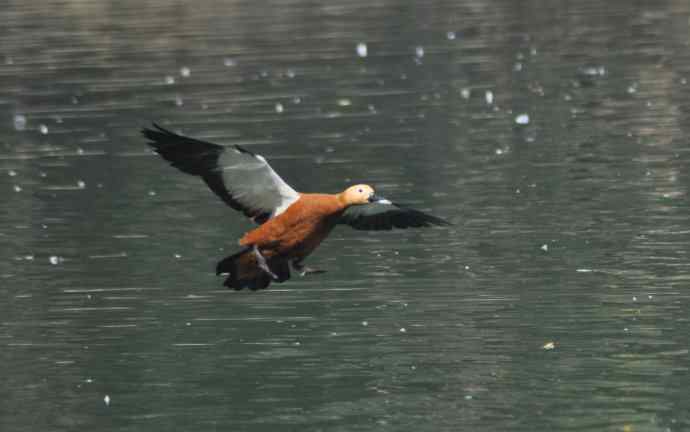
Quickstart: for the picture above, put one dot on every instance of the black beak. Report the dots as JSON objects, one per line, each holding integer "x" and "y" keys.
{"x": 373, "y": 198}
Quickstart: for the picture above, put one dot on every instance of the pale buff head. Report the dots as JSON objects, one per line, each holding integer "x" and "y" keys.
{"x": 358, "y": 194}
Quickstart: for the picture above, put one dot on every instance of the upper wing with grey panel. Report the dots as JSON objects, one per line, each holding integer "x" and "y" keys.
{"x": 242, "y": 179}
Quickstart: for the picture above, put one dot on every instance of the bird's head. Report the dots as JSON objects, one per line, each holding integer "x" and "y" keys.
{"x": 360, "y": 194}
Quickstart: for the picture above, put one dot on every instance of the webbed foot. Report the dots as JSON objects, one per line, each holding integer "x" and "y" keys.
{"x": 304, "y": 270}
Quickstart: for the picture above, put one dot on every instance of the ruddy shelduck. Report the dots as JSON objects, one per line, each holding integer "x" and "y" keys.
{"x": 291, "y": 224}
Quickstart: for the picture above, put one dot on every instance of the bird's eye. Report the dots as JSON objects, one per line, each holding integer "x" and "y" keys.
{"x": 359, "y": 190}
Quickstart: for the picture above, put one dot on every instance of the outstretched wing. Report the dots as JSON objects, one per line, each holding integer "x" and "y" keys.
{"x": 385, "y": 215}
{"x": 244, "y": 180}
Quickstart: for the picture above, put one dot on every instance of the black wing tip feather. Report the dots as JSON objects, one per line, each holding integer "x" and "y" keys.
{"x": 190, "y": 155}
{"x": 244, "y": 150}
{"x": 161, "y": 137}
{"x": 388, "y": 216}
{"x": 428, "y": 220}
{"x": 158, "y": 135}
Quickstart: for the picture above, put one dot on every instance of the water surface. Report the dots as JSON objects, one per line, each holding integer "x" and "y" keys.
{"x": 553, "y": 136}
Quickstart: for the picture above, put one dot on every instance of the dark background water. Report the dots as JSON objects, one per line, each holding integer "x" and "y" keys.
{"x": 558, "y": 300}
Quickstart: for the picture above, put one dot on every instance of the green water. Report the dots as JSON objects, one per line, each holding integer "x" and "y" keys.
{"x": 552, "y": 134}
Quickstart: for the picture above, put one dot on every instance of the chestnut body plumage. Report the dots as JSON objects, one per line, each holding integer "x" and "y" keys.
{"x": 292, "y": 224}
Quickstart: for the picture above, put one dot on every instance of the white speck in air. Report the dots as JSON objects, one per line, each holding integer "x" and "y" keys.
{"x": 19, "y": 122}
{"x": 522, "y": 119}
{"x": 362, "y": 49}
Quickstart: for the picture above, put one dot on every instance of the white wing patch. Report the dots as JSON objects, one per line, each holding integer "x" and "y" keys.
{"x": 254, "y": 184}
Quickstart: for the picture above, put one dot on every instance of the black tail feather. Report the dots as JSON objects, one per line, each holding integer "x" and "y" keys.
{"x": 228, "y": 264}
{"x": 243, "y": 272}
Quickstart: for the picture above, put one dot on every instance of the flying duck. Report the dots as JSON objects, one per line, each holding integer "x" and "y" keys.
{"x": 291, "y": 224}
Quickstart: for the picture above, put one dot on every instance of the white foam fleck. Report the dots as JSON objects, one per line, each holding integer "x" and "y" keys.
{"x": 279, "y": 108}
{"x": 489, "y": 97}
{"x": 545, "y": 247}
{"x": 17, "y": 188}
{"x": 450, "y": 35}
{"x": 419, "y": 51}
{"x": 106, "y": 400}
{"x": 465, "y": 93}
{"x": 362, "y": 49}
{"x": 55, "y": 260}
{"x": 228, "y": 62}
{"x": 19, "y": 122}
{"x": 81, "y": 184}
{"x": 169, "y": 80}
{"x": 344, "y": 102}
{"x": 43, "y": 129}
{"x": 185, "y": 71}
{"x": 522, "y": 119}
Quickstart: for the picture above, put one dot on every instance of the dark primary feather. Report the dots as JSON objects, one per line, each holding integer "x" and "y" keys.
{"x": 379, "y": 216}
{"x": 200, "y": 158}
